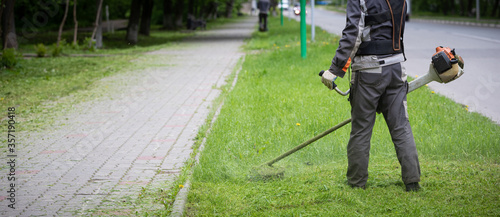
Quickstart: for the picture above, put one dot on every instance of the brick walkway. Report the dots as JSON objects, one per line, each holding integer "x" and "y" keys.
{"x": 139, "y": 137}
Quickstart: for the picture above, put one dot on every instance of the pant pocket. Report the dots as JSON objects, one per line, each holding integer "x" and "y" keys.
{"x": 372, "y": 79}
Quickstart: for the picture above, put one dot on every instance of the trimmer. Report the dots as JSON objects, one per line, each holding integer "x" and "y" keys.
{"x": 445, "y": 67}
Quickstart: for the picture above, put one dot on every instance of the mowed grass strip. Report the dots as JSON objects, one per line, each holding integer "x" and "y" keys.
{"x": 279, "y": 102}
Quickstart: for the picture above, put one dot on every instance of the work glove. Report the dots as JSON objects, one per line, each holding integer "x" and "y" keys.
{"x": 328, "y": 79}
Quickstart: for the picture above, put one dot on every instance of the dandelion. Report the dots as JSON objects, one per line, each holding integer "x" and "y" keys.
{"x": 298, "y": 124}
{"x": 433, "y": 92}
{"x": 181, "y": 186}
{"x": 1, "y": 99}
{"x": 416, "y": 76}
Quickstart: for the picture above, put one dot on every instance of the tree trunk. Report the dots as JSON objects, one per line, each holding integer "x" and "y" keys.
{"x": 444, "y": 7}
{"x": 470, "y": 5}
{"x": 133, "y": 21}
{"x": 274, "y": 5}
{"x": 147, "y": 11}
{"x": 75, "y": 33}
{"x": 229, "y": 8}
{"x": 179, "y": 12}
{"x": 2, "y": 5}
{"x": 462, "y": 8}
{"x": 212, "y": 10}
{"x": 97, "y": 25}
{"x": 484, "y": 8}
{"x": 168, "y": 11}
{"x": 62, "y": 23}
{"x": 191, "y": 7}
{"x": 495, "y": 8}
{"x": 9, "y": 37}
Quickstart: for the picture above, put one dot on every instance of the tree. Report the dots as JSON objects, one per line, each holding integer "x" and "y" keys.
{"x": 495, "y": 8}
{"x": 133, "y": 21}
{"x": 179, "y": 13}
{"x": 97, "y": 25}
{"x": 2, "y": 5}
{"x": 191, "y": 7}
{"x": 211, "y": 10}
{"x": 168, "y": 11}
{"x": 229, "y": 8}
{"x": 62, "y": 23}
{"x": 147, "y": 12}
{"x": 75, "y": 42}
{"x": 9, "y": 37}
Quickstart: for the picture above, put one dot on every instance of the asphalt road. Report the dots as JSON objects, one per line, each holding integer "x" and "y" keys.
{"x": 478, "y": 88}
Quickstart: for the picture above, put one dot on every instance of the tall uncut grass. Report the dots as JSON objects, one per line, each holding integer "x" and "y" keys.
{"x": 279, "y": 102}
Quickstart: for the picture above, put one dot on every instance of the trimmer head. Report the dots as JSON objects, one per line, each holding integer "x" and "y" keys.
{"x": 267, "y": 173}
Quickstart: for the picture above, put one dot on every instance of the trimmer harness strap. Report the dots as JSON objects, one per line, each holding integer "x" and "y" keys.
{"x": 396, "y": 14}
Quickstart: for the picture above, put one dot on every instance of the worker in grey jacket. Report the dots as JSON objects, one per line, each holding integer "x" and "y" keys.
{"x": 263, "y": 6}
{"x": 372, "y": 45}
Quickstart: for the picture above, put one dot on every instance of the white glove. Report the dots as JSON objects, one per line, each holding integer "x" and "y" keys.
{"x": 328, "y": 79}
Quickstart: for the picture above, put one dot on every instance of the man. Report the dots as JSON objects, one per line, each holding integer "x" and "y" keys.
{"x": 372, "y": 44}
{"x": 263, "y": 6}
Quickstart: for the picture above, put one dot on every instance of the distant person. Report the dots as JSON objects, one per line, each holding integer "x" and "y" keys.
{"x": 372, "y": 45}
{"x": 263, "y": 6}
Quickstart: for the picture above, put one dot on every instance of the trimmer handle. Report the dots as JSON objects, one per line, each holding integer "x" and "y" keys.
{"x": 321, "y": 74}
{"x": 335, "y": 86}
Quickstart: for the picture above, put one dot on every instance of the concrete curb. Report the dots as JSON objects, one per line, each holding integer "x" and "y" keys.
{"x": 181, "y": 198}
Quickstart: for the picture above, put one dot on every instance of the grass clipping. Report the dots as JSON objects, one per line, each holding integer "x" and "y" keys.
{"x": 266, "y": 173}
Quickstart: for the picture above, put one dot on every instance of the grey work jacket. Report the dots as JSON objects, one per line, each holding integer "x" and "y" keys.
{"x": 356, "y": 32}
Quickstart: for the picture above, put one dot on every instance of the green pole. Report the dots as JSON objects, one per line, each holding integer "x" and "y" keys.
{"x": 303, "y": 39}
{"x": 281, "y": 12}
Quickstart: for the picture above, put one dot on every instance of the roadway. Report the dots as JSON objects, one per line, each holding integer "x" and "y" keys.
{"x": 478, "y": 88}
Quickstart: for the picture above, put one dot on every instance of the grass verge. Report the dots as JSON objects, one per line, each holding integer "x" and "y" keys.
{"x": 279, "y": 102}
{"x": 167, "y": 196}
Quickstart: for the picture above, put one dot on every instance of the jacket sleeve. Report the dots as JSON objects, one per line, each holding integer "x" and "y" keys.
{"x": 351, "y": 38}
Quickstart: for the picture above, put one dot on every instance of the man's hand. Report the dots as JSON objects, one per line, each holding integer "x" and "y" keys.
{"x": 328, "y": 79}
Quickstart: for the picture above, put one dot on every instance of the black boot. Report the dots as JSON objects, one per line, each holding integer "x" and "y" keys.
{"x": 412, "y": 186}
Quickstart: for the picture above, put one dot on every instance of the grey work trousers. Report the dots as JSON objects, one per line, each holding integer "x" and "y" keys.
{"x": 383, "y": 92}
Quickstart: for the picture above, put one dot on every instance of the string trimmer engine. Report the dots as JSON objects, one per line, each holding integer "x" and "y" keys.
{"x": 446, "y": 63}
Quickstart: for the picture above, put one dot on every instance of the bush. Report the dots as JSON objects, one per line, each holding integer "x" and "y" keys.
{"x": 41, "y": 50}
{"x": 9, "y": 58}
{"x": 56, "y": 50}
{"x": 75, "y": 46}
{"x": 89, "y": 44}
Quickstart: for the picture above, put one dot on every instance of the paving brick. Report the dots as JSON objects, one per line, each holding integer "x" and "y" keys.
{"x": 138, "y": 136}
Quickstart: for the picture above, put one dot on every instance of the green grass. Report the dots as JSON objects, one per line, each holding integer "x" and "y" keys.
{"x": 277, "y": 90}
